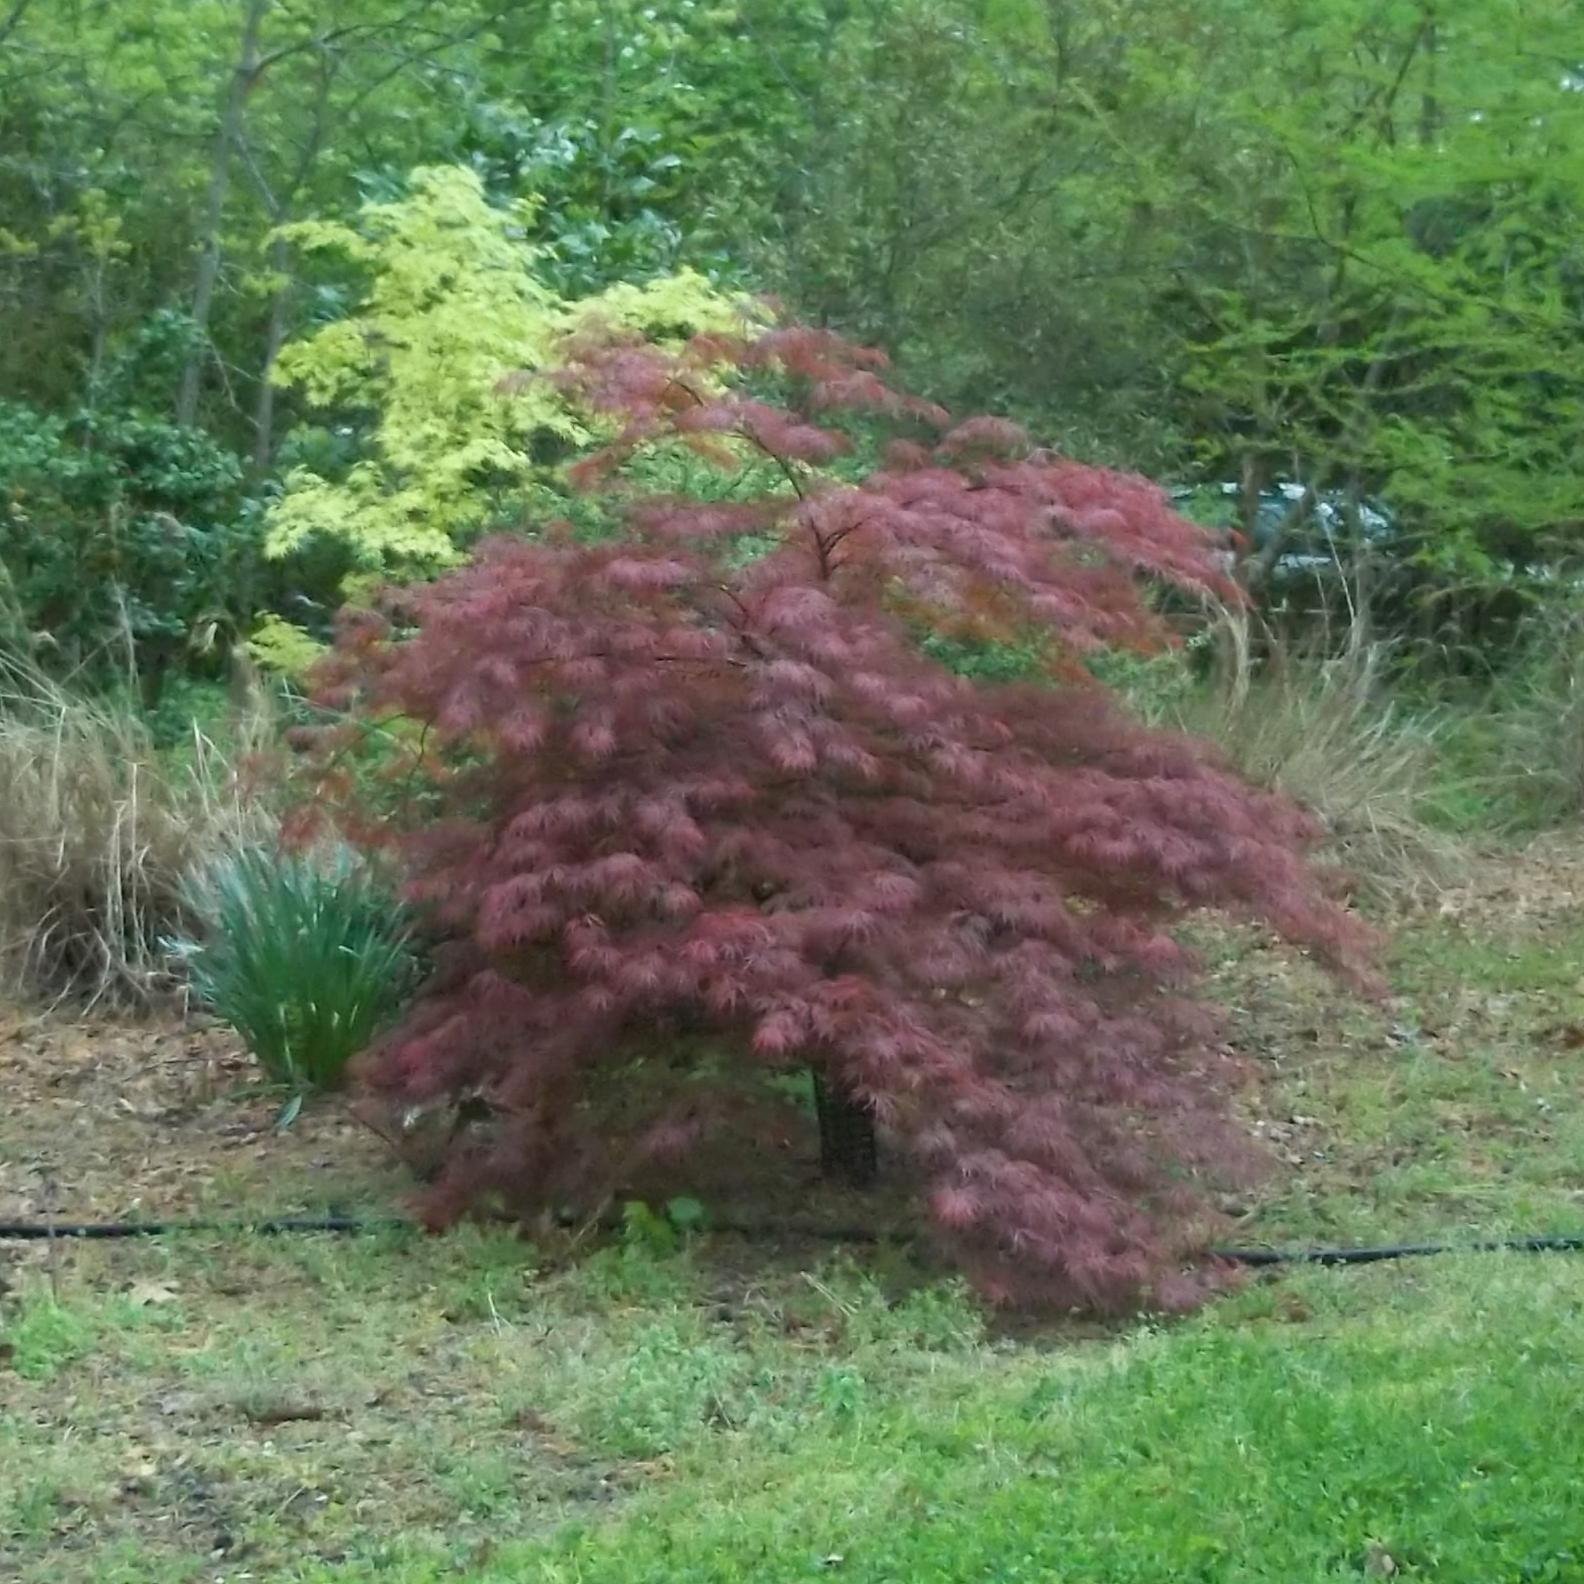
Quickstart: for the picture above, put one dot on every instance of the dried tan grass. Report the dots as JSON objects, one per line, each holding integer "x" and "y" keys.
{"x": 1323, "y": 729}
{"x": 98, "y": 832}
{"x": 1538, "y": 712}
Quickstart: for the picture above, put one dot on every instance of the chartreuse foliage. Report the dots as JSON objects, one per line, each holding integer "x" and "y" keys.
{"x": 454, "y": 302}
{"x": 680, "y": 786}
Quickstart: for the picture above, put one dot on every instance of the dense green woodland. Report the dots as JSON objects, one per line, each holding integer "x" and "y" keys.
{"x": 1334, "y": 246}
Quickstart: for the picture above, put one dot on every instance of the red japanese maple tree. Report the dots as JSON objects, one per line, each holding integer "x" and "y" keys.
{"x": 703, "y": 769}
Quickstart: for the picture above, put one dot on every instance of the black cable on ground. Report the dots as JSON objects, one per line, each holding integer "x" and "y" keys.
{"x": 1392, "y": 1251}
{"x": 42, "y": 1231}
{"x": 39, "y": 1231}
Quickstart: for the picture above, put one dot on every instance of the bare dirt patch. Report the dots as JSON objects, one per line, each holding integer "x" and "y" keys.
{"x": 107, "y": 1119}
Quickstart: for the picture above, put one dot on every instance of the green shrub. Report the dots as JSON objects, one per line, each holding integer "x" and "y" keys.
{"x": 120, "y": 537}
{"x": 304, "y": 957}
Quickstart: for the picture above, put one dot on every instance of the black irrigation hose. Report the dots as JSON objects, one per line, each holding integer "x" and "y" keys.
{"x": 39, "y": 1231}
{"x": 1392, "y": 1251}
{"x": 43, "y": 1231}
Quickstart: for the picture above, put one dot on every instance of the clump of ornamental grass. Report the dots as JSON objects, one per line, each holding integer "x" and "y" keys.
{"x": 98, "y": 830}
{"x": 1322, "y": 729}
{"x": 304, "y": 955}
{"x": 1532, "y": 770}
{"x": 663, "y": 783}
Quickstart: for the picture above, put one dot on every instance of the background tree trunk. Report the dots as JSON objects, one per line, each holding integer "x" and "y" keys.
{"x": 274, "y": 339}
{"x": 208, "y": 275}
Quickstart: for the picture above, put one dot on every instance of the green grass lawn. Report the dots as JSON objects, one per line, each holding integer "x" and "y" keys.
{"x": 395, "y": 1407}
{"x": 392, "y": 1409}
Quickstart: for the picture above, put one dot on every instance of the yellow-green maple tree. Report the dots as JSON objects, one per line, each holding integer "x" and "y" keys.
{"x": 453, "y": 304}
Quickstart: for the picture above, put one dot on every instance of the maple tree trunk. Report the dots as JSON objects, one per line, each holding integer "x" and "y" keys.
{"x": 848, "y": 1148}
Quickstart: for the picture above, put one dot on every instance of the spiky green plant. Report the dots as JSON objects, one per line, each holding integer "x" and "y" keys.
{"x": 305, "y": 957}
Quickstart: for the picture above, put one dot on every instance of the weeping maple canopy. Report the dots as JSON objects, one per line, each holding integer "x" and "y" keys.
{"x": 702, "y": 769}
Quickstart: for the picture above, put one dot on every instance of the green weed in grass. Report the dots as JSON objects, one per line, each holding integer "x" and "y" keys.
{"x": 42, "y": 1335}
